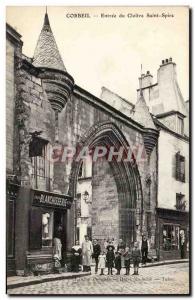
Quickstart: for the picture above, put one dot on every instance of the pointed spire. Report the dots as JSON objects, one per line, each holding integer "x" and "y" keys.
{"x": 142, "y": 114}
{"x": 46, "y": 53}
{"x": 46, "y": 19}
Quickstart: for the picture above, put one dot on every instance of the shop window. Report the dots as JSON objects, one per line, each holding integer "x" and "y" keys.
{"x": 47, "y": 229}
{"x": 39, "y": 151}
{"x": 180, "y": 167}
{"x": 170, "y": 237}
{"x": 41, "y": 228}
{"x": 180, "y": 202}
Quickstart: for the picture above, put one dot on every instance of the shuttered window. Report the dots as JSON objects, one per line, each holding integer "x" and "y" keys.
{"x": 39, "y": 151}
{"x": 180, "y": 167}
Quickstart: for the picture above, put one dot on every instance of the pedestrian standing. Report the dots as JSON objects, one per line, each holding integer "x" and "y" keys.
{"x": 57, "y": 249}
{"x": 114, "y": 243}
{"x": 182, "y": 243}
{"x": 87, "y": 251}
{"x": 110, "y": 259}
{"x": 96, "y": 253}
{"x": 102, "y": 262}
{"x": 144, "y": 249}
{"x": 117, "y": 263}
{"x": 121, "y": 248}
{"x": 76, "y": 256}
{"x": 136, "y": 257}
{"x": 127, "y": 258}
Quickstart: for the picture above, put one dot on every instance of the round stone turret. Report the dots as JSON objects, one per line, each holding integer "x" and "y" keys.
{"x": 58, "y": 84}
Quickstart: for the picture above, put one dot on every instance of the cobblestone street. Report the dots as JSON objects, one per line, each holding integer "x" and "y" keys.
{"x": 166, "y": 279}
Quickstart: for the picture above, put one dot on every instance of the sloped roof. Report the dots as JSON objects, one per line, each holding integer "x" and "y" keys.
{"x": 141, "y": 113}
{"x": 46, "y": 53}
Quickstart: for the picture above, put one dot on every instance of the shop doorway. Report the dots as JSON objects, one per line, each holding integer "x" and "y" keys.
{"x": 60, "y": 230}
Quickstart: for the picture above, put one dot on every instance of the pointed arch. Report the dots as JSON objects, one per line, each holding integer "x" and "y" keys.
{"x": 126, "y": 173}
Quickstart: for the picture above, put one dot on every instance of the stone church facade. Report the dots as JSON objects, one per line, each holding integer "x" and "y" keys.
{"x": 48, "y": 113}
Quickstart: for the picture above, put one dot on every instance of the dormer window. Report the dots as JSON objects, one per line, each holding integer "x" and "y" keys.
{"x": 180, "y": 125}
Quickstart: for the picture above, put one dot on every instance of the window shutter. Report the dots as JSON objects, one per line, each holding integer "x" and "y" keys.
{"x": 182, "y": 168}
{"x": 177, "y": 166}
{"x": 35, "y": 238}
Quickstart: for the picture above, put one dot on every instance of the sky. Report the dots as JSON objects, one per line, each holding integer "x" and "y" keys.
{"x": 106, "y": 51}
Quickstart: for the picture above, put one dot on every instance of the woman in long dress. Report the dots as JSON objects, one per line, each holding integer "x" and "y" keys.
{"x": 76, "y": 256}
{"x": 87, "y": 251}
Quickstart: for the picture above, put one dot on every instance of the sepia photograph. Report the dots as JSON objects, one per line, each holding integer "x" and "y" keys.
{"x": 98, "y": 150}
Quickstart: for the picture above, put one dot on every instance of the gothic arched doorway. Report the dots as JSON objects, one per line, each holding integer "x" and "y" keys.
{"x": 122, "y": 175}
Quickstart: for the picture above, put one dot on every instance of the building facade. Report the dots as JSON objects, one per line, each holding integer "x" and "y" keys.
{"x": 171, "y": 116}
{"x": 54, "y": 130}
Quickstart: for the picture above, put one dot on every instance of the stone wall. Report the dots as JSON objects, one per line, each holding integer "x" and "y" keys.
{"x": 105, "y": 202}
{"x": 34, "y": 113}
{"x": 10, "y": 105}
{"x": 82, "y": 111}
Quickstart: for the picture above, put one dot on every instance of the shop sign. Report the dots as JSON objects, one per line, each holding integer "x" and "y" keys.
{"x": 50, "y": 199}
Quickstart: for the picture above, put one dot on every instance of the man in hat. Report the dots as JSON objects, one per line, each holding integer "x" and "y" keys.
{"x": 144, "y": 249}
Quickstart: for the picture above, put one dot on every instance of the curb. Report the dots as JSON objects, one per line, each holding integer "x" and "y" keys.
{"x": 48, "y": 279}
{"x": 162, "y": 263}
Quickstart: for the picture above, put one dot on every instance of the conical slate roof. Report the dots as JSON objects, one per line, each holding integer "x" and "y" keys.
{"x": 46, "y": 53}
{"x": 142, "y": 114}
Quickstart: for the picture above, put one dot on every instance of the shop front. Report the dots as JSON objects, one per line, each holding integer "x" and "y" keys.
{"x": 47, "y": 221}
{"x": 12, "y": 188}
{"x": 172, "y": 234}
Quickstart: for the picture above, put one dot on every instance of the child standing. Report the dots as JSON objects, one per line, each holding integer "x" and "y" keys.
{"x": 110, "y": 259}
{"x": 136, "y": 256}
{"x": 117, "y": 262}
{"x": 127, "y": 258}
{"x": 102, "y": 262}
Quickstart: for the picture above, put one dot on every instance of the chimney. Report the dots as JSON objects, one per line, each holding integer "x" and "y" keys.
{"x": 146, "y": 80}
{"x": 167, "y": 71}
{"x": 169, "y": 92}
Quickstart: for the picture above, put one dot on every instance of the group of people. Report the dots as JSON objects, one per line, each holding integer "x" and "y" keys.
{"x": 112, "y": 255}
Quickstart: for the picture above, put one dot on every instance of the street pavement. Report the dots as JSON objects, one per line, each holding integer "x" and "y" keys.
{"x": 166, "y": 279}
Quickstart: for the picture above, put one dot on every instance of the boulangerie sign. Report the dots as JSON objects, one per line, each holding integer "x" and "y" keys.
{"x": 50, "y": 199}
{"x": 97, "y": 119}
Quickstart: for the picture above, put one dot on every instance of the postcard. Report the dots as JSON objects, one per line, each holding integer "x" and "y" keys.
{"x": 97, "y": 150}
